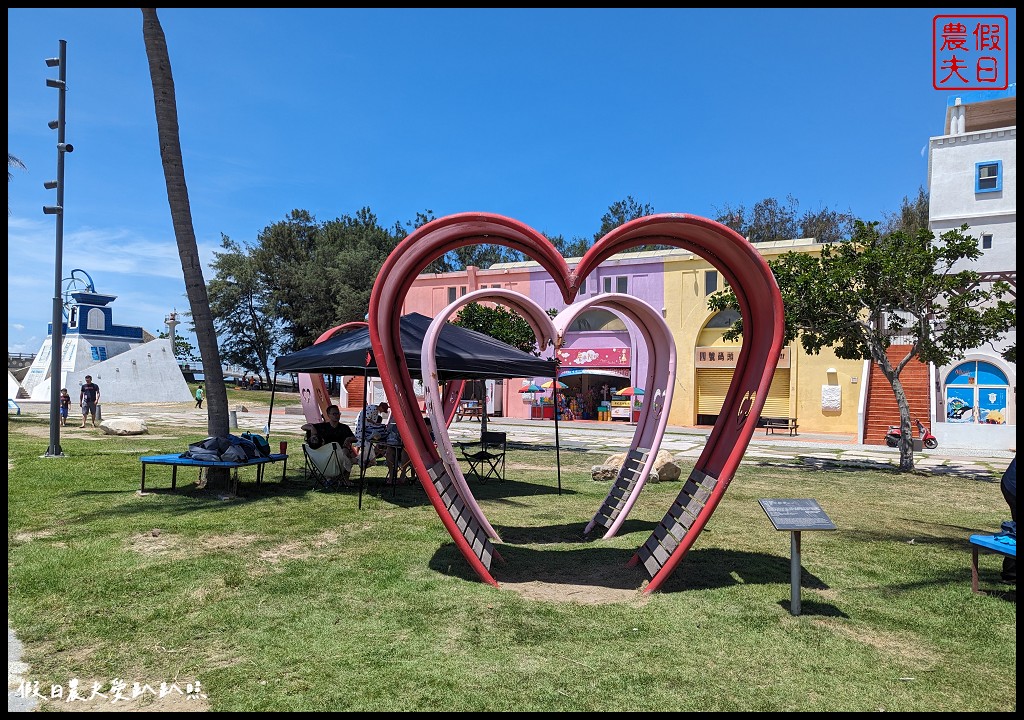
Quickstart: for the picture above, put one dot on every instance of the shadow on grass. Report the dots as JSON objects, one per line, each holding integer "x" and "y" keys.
{"x": 411, "y": 493}
{"x": 804, "y": 462}
{"x": 814, "y": 608}
{"x": 608, "y": 567}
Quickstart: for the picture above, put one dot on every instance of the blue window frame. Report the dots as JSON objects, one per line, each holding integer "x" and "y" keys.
{"x": 977, "y": 392}
{"x": 988, "y": 176}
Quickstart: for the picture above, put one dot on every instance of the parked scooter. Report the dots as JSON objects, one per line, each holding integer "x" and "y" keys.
{"x": 892, "y": 436}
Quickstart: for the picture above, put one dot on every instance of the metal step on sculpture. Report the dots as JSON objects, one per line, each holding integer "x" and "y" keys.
{"x": 761, "y": 308}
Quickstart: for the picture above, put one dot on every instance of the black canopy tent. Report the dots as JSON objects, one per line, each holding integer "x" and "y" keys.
{"x": 461, "y": 354}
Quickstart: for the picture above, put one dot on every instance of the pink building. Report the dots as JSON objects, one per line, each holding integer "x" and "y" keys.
{"x": 599, "y": 355}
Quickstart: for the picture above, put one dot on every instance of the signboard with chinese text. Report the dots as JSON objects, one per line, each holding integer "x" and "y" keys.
{"x": 722, "y": 357}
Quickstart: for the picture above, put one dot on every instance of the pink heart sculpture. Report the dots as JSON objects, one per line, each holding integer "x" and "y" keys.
{"x": 731, "y": 254}
{"x": 643, "y": 450}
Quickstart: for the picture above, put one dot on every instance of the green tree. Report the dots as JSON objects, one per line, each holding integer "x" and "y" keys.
{"x": 620, "y": 213}
{"x": 772, "y": 219}
{"x": 169, "y": 139}
{"x": 500, "y": 323}
{"x": 911, "y": 217}
{"x": 183, "y": 349}
{"x": 858, "y": 296}
{"x": 242, "y": 312}
{"x": 577, "y": 247}
{"x": 827, "y": 226}
{"x": 320, "y": 275}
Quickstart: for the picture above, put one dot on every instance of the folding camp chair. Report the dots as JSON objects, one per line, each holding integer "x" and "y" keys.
{"x": 488, "y": 454}
{"x": 328, "y": 466}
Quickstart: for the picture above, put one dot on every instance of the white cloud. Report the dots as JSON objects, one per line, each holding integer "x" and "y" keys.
{"x": 143, "y": 273}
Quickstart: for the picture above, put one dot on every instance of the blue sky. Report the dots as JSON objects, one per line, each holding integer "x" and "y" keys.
{"x": 547, "y": 116}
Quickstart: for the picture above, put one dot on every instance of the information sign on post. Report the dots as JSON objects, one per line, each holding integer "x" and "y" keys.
{"x": 795, "y": 515}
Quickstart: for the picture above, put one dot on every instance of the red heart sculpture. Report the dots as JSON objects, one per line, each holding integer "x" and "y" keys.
{"x": 731, "y": 254}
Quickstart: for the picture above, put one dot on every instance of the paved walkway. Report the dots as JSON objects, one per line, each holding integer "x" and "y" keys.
{"x": 601, "y": 437}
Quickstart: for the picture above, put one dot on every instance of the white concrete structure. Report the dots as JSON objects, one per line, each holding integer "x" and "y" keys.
{"x": 972, "y": 180}
{"x": 126, "y": 368}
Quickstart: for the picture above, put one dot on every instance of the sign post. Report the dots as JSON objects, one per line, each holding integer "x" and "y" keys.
{"x": 795, "y": 515}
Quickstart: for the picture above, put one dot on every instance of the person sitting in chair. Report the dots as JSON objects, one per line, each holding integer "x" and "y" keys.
{"x": 370, "y": 428}
{"x": 333, "y": 430}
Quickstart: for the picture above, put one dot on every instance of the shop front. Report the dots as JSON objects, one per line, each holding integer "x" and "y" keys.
{"x": 591, "y": 376}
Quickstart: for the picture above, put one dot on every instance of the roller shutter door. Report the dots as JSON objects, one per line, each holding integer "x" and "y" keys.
{"x": 713, "y": 384}
{"x": 777, "y": 404}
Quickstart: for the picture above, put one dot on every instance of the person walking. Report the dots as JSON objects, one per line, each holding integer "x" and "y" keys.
{"x": 89, "y": 397}
{"x": 199, "y": 397}
{"x": 65, "y": 405}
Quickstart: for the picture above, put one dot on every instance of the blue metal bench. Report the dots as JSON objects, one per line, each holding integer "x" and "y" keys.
{"x": 175, "y": 461}
{"x": 1001, "y": 544}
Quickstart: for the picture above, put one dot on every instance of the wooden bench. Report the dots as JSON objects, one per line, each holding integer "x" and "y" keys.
{"x": 471, "y": 408}
{"x": 176, "y": 461}
{"x": 772, "y": 424}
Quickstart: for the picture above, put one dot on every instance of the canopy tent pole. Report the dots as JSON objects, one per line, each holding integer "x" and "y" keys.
{"x": 362, "y": 440}
{"x": 270, "y": 412}
{"x": 483, "y": 411}
{"x": 558, "y": 449}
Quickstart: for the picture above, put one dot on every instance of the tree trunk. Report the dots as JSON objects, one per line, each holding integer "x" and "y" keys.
{"x": 181, "y": 216}
{"x": 906, "y": 435}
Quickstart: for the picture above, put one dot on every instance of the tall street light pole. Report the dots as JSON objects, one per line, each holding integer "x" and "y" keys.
{"x": 57, "y": 325}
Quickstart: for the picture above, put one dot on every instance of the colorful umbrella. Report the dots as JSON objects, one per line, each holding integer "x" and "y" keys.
{"x": 532, "y": 387}
{"x": 549, "y": 383}
{"x": 630, "y": 391}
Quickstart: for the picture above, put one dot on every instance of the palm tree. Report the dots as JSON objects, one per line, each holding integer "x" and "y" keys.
{"x": 12, "y": 162}
{"x": 181, "y": 217}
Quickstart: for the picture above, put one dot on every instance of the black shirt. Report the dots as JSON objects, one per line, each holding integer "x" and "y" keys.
{"x": 326, "y": 433}
{"x": 89, "y": 392}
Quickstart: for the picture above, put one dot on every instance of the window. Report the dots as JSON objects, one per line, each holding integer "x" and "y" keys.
{"x": 462, "y": 290}
{"x": 622, "y": 285}
{"x": 710, "y": 282}
{"x": 986, "y": 241}
{"x": 597, "y": 319}
{"x": 977, "y": 392}
{"x": 606, "y": 285}
{"x": 988, "y": 176}
{"x": 724, "y": 319}
{"x": 452, "y": 297}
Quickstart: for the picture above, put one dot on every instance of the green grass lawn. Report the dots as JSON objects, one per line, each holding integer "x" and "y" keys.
{"x": 288, "y": 599}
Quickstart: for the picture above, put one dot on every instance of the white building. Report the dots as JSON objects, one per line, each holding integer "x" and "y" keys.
{"x": 126, "y": 366}
{"x": 972, "y": 180}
